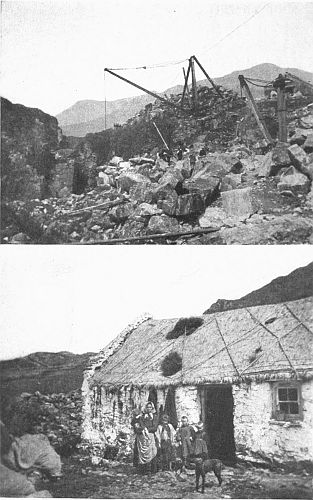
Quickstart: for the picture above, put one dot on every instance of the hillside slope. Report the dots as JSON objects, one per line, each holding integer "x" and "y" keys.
{"x": 46, "y": 372}
{"x": 88, "y": 116}
{"x": 296, "y": 285}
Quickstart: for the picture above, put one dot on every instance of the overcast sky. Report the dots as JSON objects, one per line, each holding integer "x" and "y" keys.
{"x": 54, "y": 51}
{"x": 78, "y": 299}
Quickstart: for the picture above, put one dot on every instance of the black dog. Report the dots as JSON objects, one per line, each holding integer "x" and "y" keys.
{"x": 204, "y": 466}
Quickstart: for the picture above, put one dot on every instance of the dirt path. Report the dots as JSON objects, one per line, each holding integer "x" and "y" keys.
{"x": 117, "y": 480}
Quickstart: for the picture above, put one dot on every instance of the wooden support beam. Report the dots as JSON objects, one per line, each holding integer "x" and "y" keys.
{"x": 282, "y": 114}
{"x": 194, "y": 84}
{"x": 161, "y": 136}
{"x": 259, "y": 118}
{"x": 186, "y": 85}
{"x": 153, "y": 94}
{"x": 131, "y": 239}
{"x": 207, "y": 76}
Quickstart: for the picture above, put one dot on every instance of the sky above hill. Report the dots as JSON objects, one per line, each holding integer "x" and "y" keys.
{"x": 56, "y": 299}
{"x": 54, "y": 51}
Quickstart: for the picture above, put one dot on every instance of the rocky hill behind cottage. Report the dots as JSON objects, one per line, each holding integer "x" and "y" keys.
{"x": 296, "y": 285}
{"x": 46, "y": 372}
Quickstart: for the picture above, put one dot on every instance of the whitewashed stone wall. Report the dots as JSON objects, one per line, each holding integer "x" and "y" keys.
{"x": 94, "y": 398}
{"x": 259, "y": 437}
{"x": 188, "y": 403}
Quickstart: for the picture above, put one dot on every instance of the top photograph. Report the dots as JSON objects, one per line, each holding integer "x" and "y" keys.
{"x": 156, "y": 123}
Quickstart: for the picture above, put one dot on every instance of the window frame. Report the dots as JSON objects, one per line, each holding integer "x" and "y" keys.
{"x": 279, "y": 415}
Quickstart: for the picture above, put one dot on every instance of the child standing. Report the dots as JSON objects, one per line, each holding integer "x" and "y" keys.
{"x": 200, "y": 448}
{"x": 165, "y": 436}
{"x": 185, "y": 436}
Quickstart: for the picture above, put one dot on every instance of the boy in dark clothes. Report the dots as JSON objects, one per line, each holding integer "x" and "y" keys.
{"x": 185, "y": 436}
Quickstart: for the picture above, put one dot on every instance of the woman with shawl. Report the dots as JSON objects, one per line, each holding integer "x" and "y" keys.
{"x": 145, "y": 426}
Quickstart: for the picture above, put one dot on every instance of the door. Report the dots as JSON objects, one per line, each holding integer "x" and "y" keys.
{"x": 217, "y": 408}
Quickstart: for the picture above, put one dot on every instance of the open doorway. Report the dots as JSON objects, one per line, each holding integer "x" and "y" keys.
{"x": 217, "y": 407}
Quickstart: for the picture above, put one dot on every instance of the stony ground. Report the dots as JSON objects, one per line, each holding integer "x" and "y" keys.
{"x": 117, "y": 480}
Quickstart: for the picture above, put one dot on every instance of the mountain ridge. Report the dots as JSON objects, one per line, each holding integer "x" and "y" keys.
{"x": 87, "y": 116}
{"x": 296, "y": 285}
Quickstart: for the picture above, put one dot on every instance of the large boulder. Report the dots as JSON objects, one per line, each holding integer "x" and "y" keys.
{"x": 230, "y": 181}
{"x": 292, "y": 180}
{"x": 298, "y": 136}
{"x": 33, "y": 451}
{"x": 308, "y": 145}
{"x": 146, "y": 209}
{"x": 121, "y": 213}
{"x": 206, "y": 186}
{"x": 162, "y": 224}
{"x": 306, "y": 121}
{"x": 184, "y": 167}
{"x": 142, "y": 192}
{"x": 238, "y": 202}
{"x": 217, "y": 165}
{"x": 189, "y": 205}
{"x": 150, "y": 171}
{"x": 274, "y": 161}
{"x": 115, "y": 161}
{"x": 213, "y": 217}
{"x": 15, "y": 484}
{"x": 283, "y": 229}
{"x": 172, "y": 178}
{"x": 169, "y": 204}
{"x": 301, "y": 160}
{"x": 164, "y": 192}
{"x": 128, "y": 179}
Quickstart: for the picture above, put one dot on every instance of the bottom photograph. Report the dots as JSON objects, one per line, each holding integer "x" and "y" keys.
{"x": 210, "y": 395}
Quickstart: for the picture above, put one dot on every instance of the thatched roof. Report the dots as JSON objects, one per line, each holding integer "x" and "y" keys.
{"x": 257, "y": 343}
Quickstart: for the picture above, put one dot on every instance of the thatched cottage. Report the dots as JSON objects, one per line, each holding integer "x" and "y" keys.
{"x": 247, "y": 373}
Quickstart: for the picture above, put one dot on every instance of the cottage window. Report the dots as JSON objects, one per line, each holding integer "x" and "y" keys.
{"x": 287, "y": 401}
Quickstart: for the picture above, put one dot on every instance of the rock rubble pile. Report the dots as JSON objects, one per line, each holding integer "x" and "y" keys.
{"x": 252, "y": 194}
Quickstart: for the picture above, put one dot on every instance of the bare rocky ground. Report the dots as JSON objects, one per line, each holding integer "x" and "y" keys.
{"x": 118, "y": 480}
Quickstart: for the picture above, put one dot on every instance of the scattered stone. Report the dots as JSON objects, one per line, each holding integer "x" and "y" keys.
{"x": 307, "y": 121}
{"x": 126, "y": 180}
{"x": 162, "y": 224}
{"x": 142, "y": 192}
{"x": 294, "y": 181}
{"x": 189, "y": 204}
{"x": 230, "y": 181}
{"x": 172, "y": 178}
{"x": 308, "y": 145}
{"x": 213, "y": 217}
{"x": 20, "y": 239}
{"x": 146, "y": 209}
{"x": 206, "y": 186}
{"x": 298, "y": 137}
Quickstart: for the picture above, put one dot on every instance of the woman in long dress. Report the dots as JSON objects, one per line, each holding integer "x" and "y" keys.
{"x": 145, "y": 426}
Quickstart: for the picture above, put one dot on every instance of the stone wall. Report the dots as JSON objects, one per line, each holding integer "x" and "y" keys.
{"x": 259, "y": 437}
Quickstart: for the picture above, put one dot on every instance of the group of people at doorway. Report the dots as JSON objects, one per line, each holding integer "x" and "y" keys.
{"x": 158, "y": 445}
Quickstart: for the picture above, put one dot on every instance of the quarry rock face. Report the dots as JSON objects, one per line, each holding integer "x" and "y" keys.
{"x": 245, "y": 184}
{"x": 28, "y": 136}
